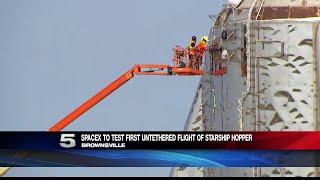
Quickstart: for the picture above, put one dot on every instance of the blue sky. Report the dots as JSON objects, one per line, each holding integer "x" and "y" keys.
{"x": 54, "y": 54}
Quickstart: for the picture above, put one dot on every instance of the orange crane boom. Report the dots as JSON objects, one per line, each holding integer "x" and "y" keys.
{"x": 146, "y": 69}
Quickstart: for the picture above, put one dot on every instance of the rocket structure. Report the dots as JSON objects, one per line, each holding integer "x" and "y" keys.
{"x": 271, "y": 50}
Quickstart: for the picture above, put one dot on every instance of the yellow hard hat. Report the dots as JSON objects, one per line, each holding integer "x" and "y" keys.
{"x": 205, "y": 39}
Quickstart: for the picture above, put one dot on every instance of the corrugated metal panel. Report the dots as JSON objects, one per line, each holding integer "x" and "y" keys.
{"x": 285, "y": 88}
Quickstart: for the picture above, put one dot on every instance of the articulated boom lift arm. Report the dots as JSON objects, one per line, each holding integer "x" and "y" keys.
{"x": 148, "y": 69}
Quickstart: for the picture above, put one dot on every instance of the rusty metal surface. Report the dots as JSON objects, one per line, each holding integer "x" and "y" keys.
{"x": 284, "y": 9}
{"x": 274, "y": 13}
{"x": 268, "y": 13}
{"x": 281, "y": 3}
{"x": 303, "y": 12}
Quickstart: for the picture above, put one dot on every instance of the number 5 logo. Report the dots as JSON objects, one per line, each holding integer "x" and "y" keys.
{"x": 67, "y": 140}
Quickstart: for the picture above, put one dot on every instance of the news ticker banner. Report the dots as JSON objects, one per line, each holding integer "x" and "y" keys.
{"x": 160, "y": 149}
{"x": 160, "y": 140}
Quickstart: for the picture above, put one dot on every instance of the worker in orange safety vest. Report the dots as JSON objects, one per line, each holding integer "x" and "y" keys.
{"x": 200, "y": 50}
{"x": 191, "y": 50}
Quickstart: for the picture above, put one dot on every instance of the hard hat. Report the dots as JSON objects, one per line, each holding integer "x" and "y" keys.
{"x": 205, "y": 39}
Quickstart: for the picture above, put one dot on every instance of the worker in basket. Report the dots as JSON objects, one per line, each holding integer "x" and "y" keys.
{"x": 191, "y": 50}
{"x": 200, "y": 50}
{"x": 179, "y": 57}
